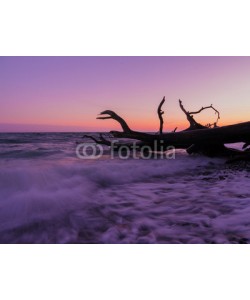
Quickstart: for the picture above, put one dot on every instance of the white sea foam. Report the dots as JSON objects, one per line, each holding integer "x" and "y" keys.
{"x": 61, "y": 199}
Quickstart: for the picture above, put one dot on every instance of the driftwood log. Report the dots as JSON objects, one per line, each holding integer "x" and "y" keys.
{"x": 207, "y": 139}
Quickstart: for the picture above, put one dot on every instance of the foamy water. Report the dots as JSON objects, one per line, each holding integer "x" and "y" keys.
{"x": 48, "y": 195}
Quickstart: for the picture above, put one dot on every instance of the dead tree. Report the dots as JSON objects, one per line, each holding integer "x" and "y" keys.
{"x": 209, "y": 140}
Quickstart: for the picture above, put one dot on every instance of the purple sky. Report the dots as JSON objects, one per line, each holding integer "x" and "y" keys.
{"x": 66, "y": 93}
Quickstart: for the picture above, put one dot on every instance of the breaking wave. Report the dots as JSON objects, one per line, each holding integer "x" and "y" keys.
{"x": 53, "y": 197}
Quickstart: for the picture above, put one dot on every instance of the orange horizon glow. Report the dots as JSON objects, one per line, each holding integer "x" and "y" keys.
{"x": 79, "y": 127}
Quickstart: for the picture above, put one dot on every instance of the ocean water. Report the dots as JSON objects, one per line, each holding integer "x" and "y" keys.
{"x": 49, "y": 195}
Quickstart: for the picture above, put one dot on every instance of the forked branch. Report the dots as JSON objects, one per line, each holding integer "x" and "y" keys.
{"x": 190, "y": 118}
{"x": 102, "y": 140}
{"x": 114, "y": 116}
{"x": 193, "y": 123}
{"x": 208, "y": 107}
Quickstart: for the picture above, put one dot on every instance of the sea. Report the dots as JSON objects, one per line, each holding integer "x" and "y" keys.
{"x": 51, "y": 195}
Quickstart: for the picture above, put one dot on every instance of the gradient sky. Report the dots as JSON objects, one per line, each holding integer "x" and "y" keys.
{"x": 66, "y": 93}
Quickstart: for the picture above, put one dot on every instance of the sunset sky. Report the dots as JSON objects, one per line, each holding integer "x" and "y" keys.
{"x": 67, "y": 93}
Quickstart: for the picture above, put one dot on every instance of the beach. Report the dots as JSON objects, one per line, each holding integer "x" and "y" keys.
{"x": 49, "y": 195}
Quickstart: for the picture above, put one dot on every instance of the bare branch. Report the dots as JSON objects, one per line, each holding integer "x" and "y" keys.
{"x": 103, "y": 141}
{"x": 191, "y": 120}
{"x": 193, "y": 123}
{"x": 207, "y": 107}
{"x": 90, "y": 137}
{"x": 104, "y": 118}
{"x": 160, "y": 113}
{"x": 114, "y": 116}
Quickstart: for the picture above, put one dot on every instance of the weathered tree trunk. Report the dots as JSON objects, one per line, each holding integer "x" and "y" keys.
{"x": 195, "y": 139}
